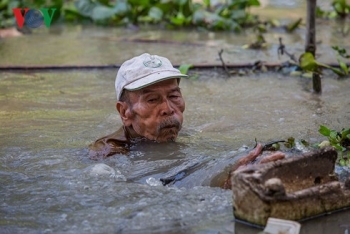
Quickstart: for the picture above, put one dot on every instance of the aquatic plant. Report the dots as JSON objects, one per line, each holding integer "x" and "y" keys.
{"x": 308, "y": 63}
{"x": 341, "y": 9}
{"x": 229, "y": 15}
{"x": 184, "y": 68}
{"x": 341, "y": 52}
{"x": 339, "y": 140}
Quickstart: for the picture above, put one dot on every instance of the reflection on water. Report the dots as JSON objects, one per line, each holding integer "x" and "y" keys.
{"x": 48, "y": 119}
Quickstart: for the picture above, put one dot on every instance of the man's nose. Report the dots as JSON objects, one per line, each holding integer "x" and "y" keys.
{"x": 166, "y": 108}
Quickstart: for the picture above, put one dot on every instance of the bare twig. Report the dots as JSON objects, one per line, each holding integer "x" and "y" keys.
{"x": 282, "y": 50}
{"x": 223, "y": 63}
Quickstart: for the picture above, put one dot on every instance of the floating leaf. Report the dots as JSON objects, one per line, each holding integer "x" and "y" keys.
{"x": 324, "y": 130}
{"x": 184, "y": 68}
{"x": 308, "y": 62}
{"x": 292, "y": 26}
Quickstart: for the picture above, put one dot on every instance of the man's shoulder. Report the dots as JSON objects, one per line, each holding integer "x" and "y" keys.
{"x": 114, "y": 143}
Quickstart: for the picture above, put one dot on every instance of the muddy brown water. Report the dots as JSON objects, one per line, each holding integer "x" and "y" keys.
{"x": 48, "y": 185}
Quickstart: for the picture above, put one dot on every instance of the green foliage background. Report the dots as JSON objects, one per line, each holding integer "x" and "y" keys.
{"x": 227, "y": 15}
{"x": 231, "y": 15}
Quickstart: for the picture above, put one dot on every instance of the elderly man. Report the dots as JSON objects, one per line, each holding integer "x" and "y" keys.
{"x": 149, "y": 102}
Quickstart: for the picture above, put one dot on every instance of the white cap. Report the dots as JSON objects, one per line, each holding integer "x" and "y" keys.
{"x": 142, "y": 71}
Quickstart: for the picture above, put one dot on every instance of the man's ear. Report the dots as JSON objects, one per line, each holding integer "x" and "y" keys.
{"x": 125, "y": 113}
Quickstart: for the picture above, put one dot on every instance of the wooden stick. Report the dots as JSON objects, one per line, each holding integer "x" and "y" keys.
{"x": 310, "y": 45}
{"x": 223, "y": 62}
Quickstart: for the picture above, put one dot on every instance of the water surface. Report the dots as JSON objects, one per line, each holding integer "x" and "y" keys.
{"x": 48, "y": 118}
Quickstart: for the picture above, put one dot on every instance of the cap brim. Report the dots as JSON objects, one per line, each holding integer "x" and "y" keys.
{"x": 153, "y": 78}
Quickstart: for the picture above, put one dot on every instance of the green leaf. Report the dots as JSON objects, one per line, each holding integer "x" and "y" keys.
{"x": 85, "y": 7}
{"x": 344, "y": 67}
{"x": 345, "y": 133}
{"x": 339, "y": 147}
{"x": 3, "y": 4}
{"x": 294, "y": 25}
{"x": 341, "y": 51}
{"x": 121, "y": 8}
{"x": 342, "y": 162}
{"x": 337, "y": 71}
{"x": 238, "y": 14}
{"x": 308, "y": 75}
{"x": 290, "y": 142}
{"x": 206, "y": 3}
{"x": 198, "y": 16}
{"x": 274, "y": 22}
{"x": 143, "y": 3}
{"x": 104, "y": 2}
{"x": 333, "y": 135}
{"x": 308, "y": 62}
{"x": 181, "y": 2}
{"x": 155, "y": 13}
{"x": 324, "y": 130}
{"x": 102, "y": 13}
{"x": 347, "y": 163}
{"x": 324, "y": 144}
{"x": 184, "y": 68}
{"x": 304, "y": 142}
{"x": 254, "y": 3}
{"x": 179, "y": 20}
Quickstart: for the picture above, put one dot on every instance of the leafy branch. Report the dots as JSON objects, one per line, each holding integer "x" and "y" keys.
{"x": 339, "y": 140}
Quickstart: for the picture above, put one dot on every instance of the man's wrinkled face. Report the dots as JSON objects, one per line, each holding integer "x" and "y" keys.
{"x": 155, "y": 112}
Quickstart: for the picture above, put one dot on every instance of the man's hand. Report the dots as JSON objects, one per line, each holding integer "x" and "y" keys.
{"x": 250, "y": 159}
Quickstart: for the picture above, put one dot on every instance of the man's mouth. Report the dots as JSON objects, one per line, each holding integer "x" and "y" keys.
{"x": 170, "y": 123}
{"x": 171, "y": 126}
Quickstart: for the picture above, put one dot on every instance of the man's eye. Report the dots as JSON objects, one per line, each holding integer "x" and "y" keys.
{"x": 174, "y": 96}
{"x": 152, "y": 100}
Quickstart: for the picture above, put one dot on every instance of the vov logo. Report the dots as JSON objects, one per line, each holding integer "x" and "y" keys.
{"x": 33, "y": 18}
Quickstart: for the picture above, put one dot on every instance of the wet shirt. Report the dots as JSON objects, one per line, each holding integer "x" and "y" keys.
{"x": 115, "y": 143}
